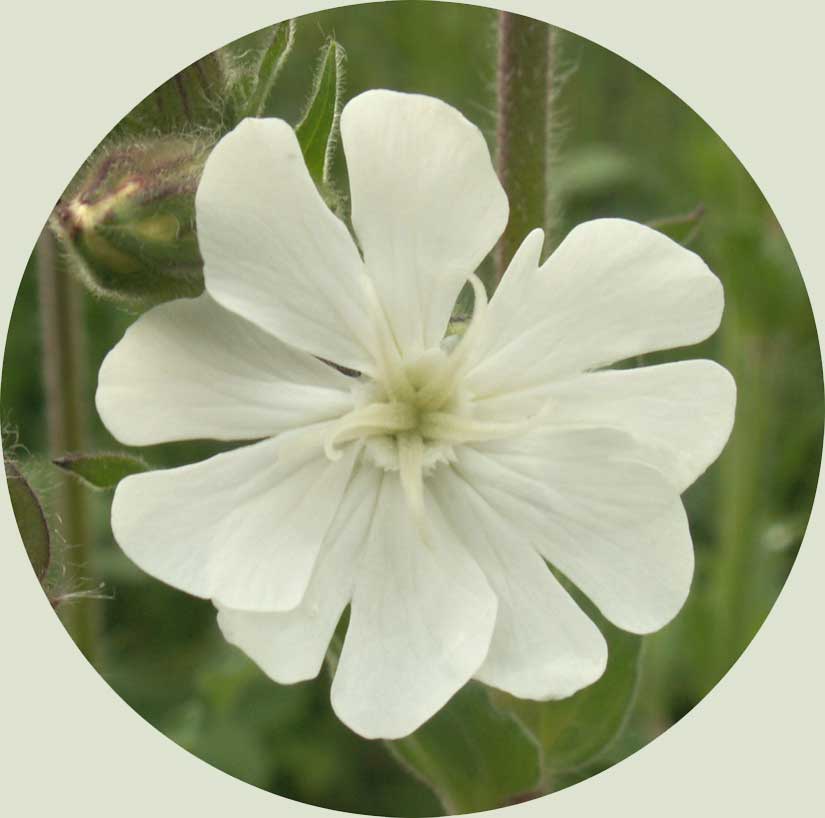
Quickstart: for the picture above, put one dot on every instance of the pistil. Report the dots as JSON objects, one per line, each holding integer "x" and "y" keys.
{"x": 411, "y": 472}
{"x": 371, "y": 420}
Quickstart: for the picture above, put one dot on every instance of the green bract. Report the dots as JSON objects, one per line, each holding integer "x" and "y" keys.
{"x": 30, "y": 519}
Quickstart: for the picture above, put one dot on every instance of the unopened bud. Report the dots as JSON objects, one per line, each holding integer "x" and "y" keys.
{"x": 128, "y": 227}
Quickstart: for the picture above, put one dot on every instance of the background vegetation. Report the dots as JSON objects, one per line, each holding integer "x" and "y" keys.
{"x": 627, "y": 147}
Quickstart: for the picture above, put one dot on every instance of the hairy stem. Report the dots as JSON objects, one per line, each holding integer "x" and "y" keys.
{"x": 526, "y": 85}
{"x": 64, "y": 382}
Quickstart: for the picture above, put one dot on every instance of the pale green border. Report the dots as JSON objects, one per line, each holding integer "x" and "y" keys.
{"x": 70, "y": 747}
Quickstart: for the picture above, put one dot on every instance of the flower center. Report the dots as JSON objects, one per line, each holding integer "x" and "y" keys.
{"x": 418, "y": 407}
{"x": 413, "y": 414}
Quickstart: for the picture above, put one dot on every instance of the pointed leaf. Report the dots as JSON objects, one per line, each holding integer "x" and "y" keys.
{"x": 101, "y": 471}
{"x": 188, "y": 101}
{"x": 317, "y": 132}
{"x": 577, "y": 730}
{"x": 28, "y": 512}
{"x": 272, "y": 61}
{"x": 473, "y": 756}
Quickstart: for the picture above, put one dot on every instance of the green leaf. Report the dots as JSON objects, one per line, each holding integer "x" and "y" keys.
{"x": 575, "y": 731}
{"x": 272, "y": 61}
{"x": 189, "y": 101}
{"x": 317, "y": 131}
{"x": 473, "y": 756}
{"x": 28, "y": 512}
{"x": 101, "y": 471}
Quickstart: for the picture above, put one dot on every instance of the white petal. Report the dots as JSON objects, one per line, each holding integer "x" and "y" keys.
{"x": 191, "y": 369}
{"x": 290, "y": 646}
{"x": 422, "y": 617}
{"x": 613, "y": 526}
{"x": 613, "y": 289}
{"x": 426, "y": 205}
{"x": 680, "y": 414}
{"x": 543, "y": 646}
{"x": 243, "y": 528}
{"x": 274, "y": 252}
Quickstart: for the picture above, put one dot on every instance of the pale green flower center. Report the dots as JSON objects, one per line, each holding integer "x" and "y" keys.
{"x": 412, "y": 415}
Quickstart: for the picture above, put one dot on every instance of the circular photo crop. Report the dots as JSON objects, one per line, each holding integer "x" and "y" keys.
{"x": 411, "y": 409}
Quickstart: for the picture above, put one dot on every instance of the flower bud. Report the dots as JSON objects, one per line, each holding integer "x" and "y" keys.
{"x": 128, "y": 225}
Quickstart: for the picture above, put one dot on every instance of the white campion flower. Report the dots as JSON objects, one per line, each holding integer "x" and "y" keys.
{"x": 428, "y": 492}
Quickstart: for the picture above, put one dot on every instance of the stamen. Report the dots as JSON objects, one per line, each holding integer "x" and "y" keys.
{"x": 411, "y": 472}
{"x": 375, "y": 419}
{"x": 437, "y": 392}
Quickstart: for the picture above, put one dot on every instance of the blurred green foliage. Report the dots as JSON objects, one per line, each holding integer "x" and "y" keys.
{"x": 628, "y": 148}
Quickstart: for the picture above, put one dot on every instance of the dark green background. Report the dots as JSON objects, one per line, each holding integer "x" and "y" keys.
{"x": 627, "y": 147}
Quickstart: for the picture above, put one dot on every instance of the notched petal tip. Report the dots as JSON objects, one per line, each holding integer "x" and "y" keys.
{"x": 732, "y": 392}
{"x": 708, "y": 296}
{"x": 528, "y": 255}
{"x": 725, "y": 397}
{"x": 127, "y": 515}
{"x": 103, "y": 401}
{"x": 404, "y": 104}
{"x": 246, "y": 631}
{"x": 662, "y": 606}
{"x": 587, "y": 672}
{"x": 250, "y": 131}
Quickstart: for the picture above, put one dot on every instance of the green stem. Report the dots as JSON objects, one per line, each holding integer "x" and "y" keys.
{"x": 63, "y": 341}
{"x": 525, "y": 87}
{"x": 739, "y": 564}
